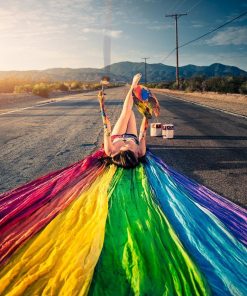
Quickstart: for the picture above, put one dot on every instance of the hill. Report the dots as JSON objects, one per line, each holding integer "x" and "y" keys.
{"x": 124, "y": 71}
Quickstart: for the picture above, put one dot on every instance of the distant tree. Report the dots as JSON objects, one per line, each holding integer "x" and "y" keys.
{"x": 232, "y": 84}
{"x": 194, "y": 83}
{"x": 213, "y": 84}
{"x": 243, "y": 88}
{"x": 7, "y": 85}
{"x": 162, "y": 85}
{"x": 28, "y": 88}
{"x": 172, "y": 85}
{"x": 95, "y": 86}
{"x": 151, "y": 85}
{"x": 41, "y": 89}
{"x": 75, "y": 85}
{"x": 23, "y": 88}
{"x": 63, "y": 87}
{"x": 86, "y": 86}
{"x": 228, "y": 84}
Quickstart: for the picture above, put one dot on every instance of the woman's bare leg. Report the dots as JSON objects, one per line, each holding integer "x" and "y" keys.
{"x": 131, "y": 128}
{"x": 123, "y": 120}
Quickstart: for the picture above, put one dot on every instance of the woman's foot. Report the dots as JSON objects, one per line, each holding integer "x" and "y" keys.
{"x": 136, "y": 79}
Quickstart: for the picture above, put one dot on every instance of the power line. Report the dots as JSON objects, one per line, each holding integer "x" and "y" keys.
{"x": 188, "y": 11}
{"x": 223, "y": 25}
{"x": 180, "y": 4}
{"x": 169, "y": 54}
{"x": 219, "y": 27}
{"x": 194, "y": 6}
{"x": 174, "y": 6}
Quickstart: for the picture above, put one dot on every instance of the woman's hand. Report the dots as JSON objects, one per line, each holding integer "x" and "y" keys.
{"x": 108, "y": 124}
{"x": 101, "y": 97}
{"x": 145, "y": 124}
{"x": 156, "y": 110}
{"x": 143, "y": 128}
{"x": 136, "y": 79}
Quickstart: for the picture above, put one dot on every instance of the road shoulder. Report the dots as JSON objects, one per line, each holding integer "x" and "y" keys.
{"x": 230, "y": 103}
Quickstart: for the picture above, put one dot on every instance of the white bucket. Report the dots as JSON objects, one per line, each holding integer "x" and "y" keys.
{"x": 155, "y": 129}
{"x": 168, "y": 131}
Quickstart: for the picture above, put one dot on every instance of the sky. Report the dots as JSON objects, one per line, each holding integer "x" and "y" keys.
{"x": 46, "y": 34}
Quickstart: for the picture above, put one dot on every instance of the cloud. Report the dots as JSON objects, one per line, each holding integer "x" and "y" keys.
{"x": 230, "y": 36}
{"x": 48, "y": 33}
{"x": 28, "y": 16}
{"x": 160, "y": 27}
{"x": 113, "y": 34}
{"x": 91, "y": 30}
{"x": 196, "y": 24}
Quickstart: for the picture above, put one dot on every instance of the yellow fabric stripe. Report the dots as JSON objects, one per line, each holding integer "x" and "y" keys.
{"x": 60, "y": 260}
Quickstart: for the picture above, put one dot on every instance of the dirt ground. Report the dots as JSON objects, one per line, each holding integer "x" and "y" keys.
{"x": 234, "y": 103}
{"x": 12, "y": 101}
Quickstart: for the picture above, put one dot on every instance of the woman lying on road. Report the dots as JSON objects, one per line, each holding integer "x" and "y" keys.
{"x": 122, "y": 144}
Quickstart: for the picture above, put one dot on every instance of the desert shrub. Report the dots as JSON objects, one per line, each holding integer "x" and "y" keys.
{"x": 162, "y": 85}
{"x": 243, "y": 88}
{"x": 173, "y": 85}
{"x": 192, "y": 84}
{"x": 151, "y": 85}
{"x": 233, "y": 84}
{"x": 41, "y": 89}
{"x": 52, "y": 86}
{"x": 75, "y": 85}
{"x": 7, "y": 85}
{"x": 85, "y": 86}
{"x": 26, "y": 88}
{"x": 63, "y": 87}
{"x": 96, "y": 86}
{"x": 19, "y": 89}
{"x": 227, "y": 84}
{"x": 215, "y": 84}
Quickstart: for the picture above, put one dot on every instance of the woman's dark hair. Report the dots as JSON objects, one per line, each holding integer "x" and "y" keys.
{"x": 125, "y": 159}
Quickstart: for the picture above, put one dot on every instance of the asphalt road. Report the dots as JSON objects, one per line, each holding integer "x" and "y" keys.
{"x": 209, "y": 146}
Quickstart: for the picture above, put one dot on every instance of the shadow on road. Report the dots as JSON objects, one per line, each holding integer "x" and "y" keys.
{"x": 49, "y": 115}
{"x": 189, "y": 160}
{"x": 233, "y": 138}
{"x": 61, "y": 107}
{"x": 73, "y": 104}
{"x": 216, "y": 165}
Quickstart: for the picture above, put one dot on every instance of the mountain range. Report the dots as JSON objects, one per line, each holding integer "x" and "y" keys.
{"x": 124, "y": 71}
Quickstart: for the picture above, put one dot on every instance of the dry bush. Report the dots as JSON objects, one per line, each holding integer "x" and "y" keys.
{"x": 41, "y": 89}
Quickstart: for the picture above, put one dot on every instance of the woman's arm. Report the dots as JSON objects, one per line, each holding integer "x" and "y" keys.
{"x": 108, "y": 147}
{"x": 106, "y": 124}
{"x": 142, "y": 137}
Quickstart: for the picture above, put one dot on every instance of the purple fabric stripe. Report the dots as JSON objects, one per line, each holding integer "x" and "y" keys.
{"x": 233, "y": 216}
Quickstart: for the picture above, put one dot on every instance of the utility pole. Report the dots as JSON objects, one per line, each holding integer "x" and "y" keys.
{"x": 145, "y": 69}
{"x": 176, "y": 16}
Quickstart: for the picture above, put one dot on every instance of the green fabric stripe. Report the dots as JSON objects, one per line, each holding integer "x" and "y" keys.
{"x": 141, "y": 254}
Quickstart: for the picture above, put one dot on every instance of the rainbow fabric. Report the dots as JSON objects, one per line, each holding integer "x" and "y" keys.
{"x": 144, "y": 100}
{"x": 89, "y": 229}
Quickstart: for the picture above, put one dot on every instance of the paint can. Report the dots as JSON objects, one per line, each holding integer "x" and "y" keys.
{"x": 168, "y": 131}
{"x": 155, "y": 129}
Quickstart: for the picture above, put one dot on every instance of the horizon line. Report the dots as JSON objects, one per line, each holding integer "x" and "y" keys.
{"x": 101, "y": 68}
